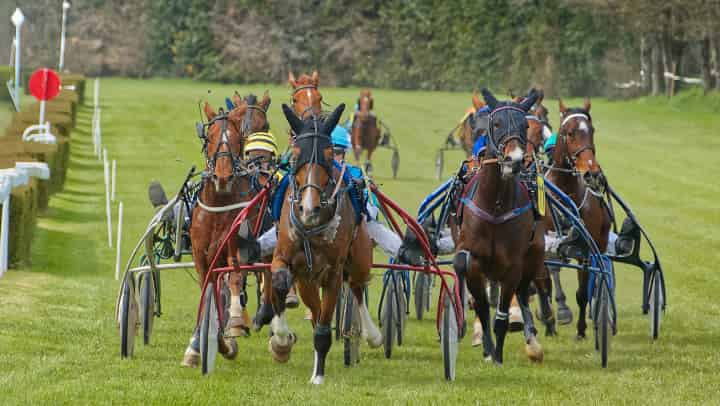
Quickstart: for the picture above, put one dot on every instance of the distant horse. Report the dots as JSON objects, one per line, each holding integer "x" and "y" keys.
{"x": 319, "y": 240}
{"x": 365, "y": 130}
{"x": 576, "y": 171}
{"x": 468, "y": 132}
{"x": 499, "y": 238}
{"x": 225, "y": 187}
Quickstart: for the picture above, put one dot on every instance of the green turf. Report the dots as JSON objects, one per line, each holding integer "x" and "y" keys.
{"x": 59, "y": 342}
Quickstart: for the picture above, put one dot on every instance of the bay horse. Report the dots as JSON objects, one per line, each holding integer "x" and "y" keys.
{"x": 499, "y": 238}
{"x": 576, "y": 171}
{"x": 365, "y": 130}
{"x": 225, "y": 187}
{"x": 319, "y": 242}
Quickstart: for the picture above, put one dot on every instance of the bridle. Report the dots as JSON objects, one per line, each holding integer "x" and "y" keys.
{"x": 307, "y": 88}
{"x": 496, "y": 147}
{"x": 571, "y": 158}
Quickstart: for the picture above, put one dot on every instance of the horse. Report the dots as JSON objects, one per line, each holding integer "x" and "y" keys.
{"x": 365, "y": 130}
{"x": 225, "y": 186}
{"x": 320, "y": 241}
{"x": 576, "y": 171}
{"x": 306, "y": 99}
{"x": 499, "y": 238}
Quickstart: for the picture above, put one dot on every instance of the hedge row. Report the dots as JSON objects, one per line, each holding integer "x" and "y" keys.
{"x": 28, "y": 201}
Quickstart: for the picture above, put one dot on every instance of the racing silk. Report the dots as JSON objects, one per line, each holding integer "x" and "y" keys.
{"x": 550, "y": 143}
{"x": 480, "y": 145}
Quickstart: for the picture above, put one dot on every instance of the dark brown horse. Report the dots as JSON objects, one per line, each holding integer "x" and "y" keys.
{"x": 365, "y": 130}
{"x": 225, "y": 188}
{"x": 319, "y": 240}
{"x": 576, "y": 171}
{"x": 499, "y": 238}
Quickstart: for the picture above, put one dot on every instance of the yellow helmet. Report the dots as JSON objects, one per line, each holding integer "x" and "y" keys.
{"x": 261, "y": 141}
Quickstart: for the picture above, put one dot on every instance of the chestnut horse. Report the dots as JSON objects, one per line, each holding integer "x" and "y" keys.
{"x": 319, "y": 242}
{"x": 576, "y": 172}
{"x": 226, "y": 186}
{"x": 306, "y": 99}
{"x": 365, "y": 130}
{"x": 499, "y": 238}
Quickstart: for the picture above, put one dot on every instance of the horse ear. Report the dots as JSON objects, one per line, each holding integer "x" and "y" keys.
{"x": 291, "y": 79}
{"x": 209, "y": 112}
{"x": 237, "y": 100}
{"x": 316, "y": 78}
{"x": 587, "y": 105}
{"x": 265, "y": 102}
{"x": 333, "y": 119}
{"x": 541, "y": 96}
{"x": 477, "y": 103}
{"x": 562, "y": 107}
{"x": 530, "y": 100}
{"x": 489, "y": 98}
{"x": 296, "y": 125}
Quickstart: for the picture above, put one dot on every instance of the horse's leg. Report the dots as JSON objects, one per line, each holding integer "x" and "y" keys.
{"x": 564, "y": 314}
{"x": 238, "y": 325}
{"x": 322, "y": 337}
{"x": 265, "y": 310}
{"x": 533, "y": 349}
{"x": 582, "y": 301}
{"x": 282, "y": 338}
{"x": 543, "y": 285}
{"x": 361, "y": 254}
{"x": 516, "y": 315}
{"x": 501, "y": 315}
{"x": 468, "y": 268}
{"x": 191, "y": 357}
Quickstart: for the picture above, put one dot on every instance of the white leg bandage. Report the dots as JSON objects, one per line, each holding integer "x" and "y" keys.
{"x": 612, "y": 237}
{"x": 445, "y": 243}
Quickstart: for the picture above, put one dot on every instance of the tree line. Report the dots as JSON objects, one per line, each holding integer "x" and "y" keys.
{"x": 569, "y": 47}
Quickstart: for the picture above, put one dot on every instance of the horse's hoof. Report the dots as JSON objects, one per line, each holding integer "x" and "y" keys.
{"x": 280, "y": 348}
{"x": 231, "y": 348}
{"x": 580, "y": 337}
{"x": 564, "y": 315}
{"x": 375, "y": 339}
{"x": 291, "y": 301}
{"x": 488, "y": 358}
{"x": 477, "y": 333}
{"x": 516, "y": 320}
{"x": 237, "y": 327}
{"x": 317, "y": 380}
{"x": 191, "y": 359}
{"x": 534, "y": 350}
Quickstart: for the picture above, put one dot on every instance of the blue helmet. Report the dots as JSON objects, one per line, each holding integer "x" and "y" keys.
{"x": 340, "y": 137}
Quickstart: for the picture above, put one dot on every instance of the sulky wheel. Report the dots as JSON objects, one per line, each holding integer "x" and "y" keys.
{"x": 422, "y": 294}
{"x": 439, "y": 163}
{"x": 449, "y": 336}
{"x": 339, "y": 305}
{"x": 127, "y": 316}
{"x": 656, "y": 303}
{"x": 400, "y": 309}
{"x": 179, "y": 223}
{"x": 209, "y": 330}
{"x": 351, "y": 329}
{"x": 604, "y": 321}
{"x": 147, "y": 304}
{"x": 388, "y": 317}
{"x": 395, "y": 163}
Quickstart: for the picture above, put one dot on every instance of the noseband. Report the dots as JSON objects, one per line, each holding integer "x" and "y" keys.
{"x": 571, "y": 159}
{"x": 305, "y": 87}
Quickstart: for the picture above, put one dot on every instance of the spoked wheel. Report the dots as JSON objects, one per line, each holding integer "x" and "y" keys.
{"x": 179, "y": 223}
{"x": 449, "y": 336}
{"x": 400, "y": 310}
{"x": 339, "y": 306}
{"x": 351, "y": 329}
{"x": 656, "y": 303}
{"x": 128, "y": 317}
{"x": 147, "y": 304}
{"x": 395, "y": 163}
{"x": 603, "y": 321}
{"x": 422, "y": 293}
{"x": 388, "y": 317}
{"x": 439, "y": 163}
{"x": 209, "y": 330}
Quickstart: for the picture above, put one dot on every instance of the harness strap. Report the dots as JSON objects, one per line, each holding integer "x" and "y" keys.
{"x": 222, "y": 209}
{"x": 470, "y": 204}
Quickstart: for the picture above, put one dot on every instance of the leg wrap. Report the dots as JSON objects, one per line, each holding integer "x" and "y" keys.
{"x": 282, "y": 280}
{"x": 322, "y": 341}
{"x": 501, "y": 326}
{"x": 461, "y": 263}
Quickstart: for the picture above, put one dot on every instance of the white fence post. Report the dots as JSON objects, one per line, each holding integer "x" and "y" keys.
{"x": 112, "y": 180}
{"x": 4, "y": 233}
{"x": 106, "y": 166}
{"x": 119, "y": 240}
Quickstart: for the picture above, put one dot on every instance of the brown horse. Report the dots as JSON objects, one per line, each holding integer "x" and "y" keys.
{"x": 499, "y": 238}
{"x": 319, "y": 241}
{"x": 468, "y": 132}
{"x": 224, "y": 189}
{"x": 576, "y": 171}
{"x": 365, "y": 130}
{"x": 306, "y": 99}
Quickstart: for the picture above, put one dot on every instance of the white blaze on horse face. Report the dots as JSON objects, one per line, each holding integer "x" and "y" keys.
{"x": 583, "y": 126}
{"x": 516, "y": 155}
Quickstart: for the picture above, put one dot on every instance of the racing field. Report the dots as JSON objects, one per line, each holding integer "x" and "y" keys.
{"x": 59, "y": 342}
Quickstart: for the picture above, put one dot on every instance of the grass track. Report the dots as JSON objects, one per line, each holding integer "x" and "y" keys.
{"x": 59, "y": 342}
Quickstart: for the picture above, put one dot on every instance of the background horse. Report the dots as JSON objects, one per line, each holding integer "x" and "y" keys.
{"x": 499, "y": 238}
{"x": 225, "y": 185}
{"x": 365, "y": 130}
{"x": 576, "y": 171}
{"x": 319, "y": 240}
{"x": 306, "y": 99}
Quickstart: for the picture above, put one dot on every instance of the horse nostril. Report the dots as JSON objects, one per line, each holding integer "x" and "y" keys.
{"x": 300, "y": 209}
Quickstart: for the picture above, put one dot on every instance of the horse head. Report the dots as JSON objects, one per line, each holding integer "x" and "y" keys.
{"x": 507, "y": 132}
{"x": 576, "y": 141}
{"x": 306, "y": 99}
{"x": 312, "y": 166}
